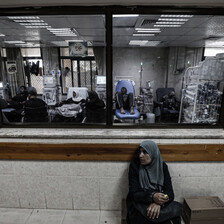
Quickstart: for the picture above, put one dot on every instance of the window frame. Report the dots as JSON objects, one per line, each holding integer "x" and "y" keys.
{"x": 108, "y": 12}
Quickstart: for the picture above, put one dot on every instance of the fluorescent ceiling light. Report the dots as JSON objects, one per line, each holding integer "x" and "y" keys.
{"x": 23, "y": 17}
{"x": 186, "y": 16}
{"x": 75, "y": 40}
{"x": 153, "y": 43}
{"x": 126, "y": 15}
{"x": 148, "y": 31}
{"x": 61, "y": 31}
{"x": 66, "y": 35}
{"x": 15, "y": 42}
{"x": 29, "y": 21}
{"x": 181, "y": 23}
{"x": 25, "y": 44}
{"x": 151, "y": 29}
{"x": 2, "y": 35}
{"x": 33, "y": 24}
{"x": 138, "y": 42}
{"x": 143, "y": 34}
{"x": 171, "y": 19}
{"x": 37, "y": 27}
{"x": 160, "y": 25}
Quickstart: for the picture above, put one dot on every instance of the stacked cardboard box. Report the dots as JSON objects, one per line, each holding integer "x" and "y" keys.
{"x": 203, "y": 210}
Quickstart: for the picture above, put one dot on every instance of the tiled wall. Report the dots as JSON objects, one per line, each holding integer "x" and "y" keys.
{"x": 94, "y": 185}
{"x": 95, "y": 189}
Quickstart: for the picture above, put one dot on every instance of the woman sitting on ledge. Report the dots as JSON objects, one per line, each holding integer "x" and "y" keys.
{"x": 150, "y": 197}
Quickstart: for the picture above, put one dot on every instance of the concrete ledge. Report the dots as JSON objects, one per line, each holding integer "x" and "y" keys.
{"x": 115, "y": 133}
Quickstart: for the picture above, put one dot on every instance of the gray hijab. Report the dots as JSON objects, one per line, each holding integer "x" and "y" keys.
{"x": 151, "y": 176}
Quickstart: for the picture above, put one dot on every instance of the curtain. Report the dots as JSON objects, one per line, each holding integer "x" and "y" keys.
{"x": 50, "y": 59}
{"x": 17, "y": 78}
{"x": 100, "y": 57}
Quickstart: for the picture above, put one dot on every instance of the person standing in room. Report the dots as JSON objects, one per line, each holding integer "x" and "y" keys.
{"x": 125, "y": 101}
{"x": 150, "y": 187}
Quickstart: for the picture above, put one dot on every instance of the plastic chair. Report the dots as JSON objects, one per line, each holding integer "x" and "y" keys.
{"x": 130, "y": 89}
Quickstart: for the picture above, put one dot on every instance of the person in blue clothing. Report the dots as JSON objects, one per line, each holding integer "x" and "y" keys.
{"x": 149, "y": 184}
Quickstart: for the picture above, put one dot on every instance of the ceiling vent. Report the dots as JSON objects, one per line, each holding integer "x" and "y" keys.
{"x": 147, "y": 22}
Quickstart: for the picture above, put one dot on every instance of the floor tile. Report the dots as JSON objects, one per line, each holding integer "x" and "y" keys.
{"x": 110, "y": 217}
{"x": 46, "y": 216}
{"x": 82, "y": 217}
{"x": 14, "y": 216}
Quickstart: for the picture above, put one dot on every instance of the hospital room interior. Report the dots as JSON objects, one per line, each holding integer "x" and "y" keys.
{"x": 172, "y": 64}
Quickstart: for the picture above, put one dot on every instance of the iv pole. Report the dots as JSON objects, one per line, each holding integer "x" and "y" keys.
{"x": 141, "y": 69}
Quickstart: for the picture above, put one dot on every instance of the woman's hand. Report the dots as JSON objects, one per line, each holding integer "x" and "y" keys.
{"x": 153, "y": 211}
{"x": 160, "y": 198}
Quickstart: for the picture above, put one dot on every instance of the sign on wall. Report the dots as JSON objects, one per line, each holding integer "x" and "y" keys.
{"x": 78, "y": 49}
{"x": 11, "y": 67}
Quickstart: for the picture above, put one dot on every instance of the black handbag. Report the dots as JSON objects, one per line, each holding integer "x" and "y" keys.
{"x": 173, "y": 209}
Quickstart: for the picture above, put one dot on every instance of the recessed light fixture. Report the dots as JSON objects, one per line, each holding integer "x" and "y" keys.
{"x": 185, "y": 16}
{"x": 37, "y": 27}
{"x": 175, "y": 23}
{"x": 63, "y": 32}
{"x": 143, "y": 34}
{"x": 33, "y": 24}
{"x": 172, "y": 19}
{"x": 125, "y": 15}
{"x": 25, "y": 44}
{"x": 146, "y": 43}
{"x": 29, "y": 21}
{"x": 14, "y": 42}
{"x": 66, "y": 35}
{"x": 163, "y": 25}
{"x": 153, "y": 43}
{"x": 148, "y": 31}
{"x": 23, "y": 17}
{"x": 74, "y": 40}
{"x": 138, "y": 42}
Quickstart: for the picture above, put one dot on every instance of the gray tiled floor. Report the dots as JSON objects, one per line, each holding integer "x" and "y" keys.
{"x": 53, "y": 216}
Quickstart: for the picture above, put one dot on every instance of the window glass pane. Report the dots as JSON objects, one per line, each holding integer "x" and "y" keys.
{"x": 75, "y": 73}
{"x": 66, "y": 74}
{"x": 3, "y": 53}
{"x": 159, "y": 61}
{"x": 58, "y": 63}
{"x": 65, "y": 51}
{"x": 30, "y": 52}
{"x": 209, "y": 51}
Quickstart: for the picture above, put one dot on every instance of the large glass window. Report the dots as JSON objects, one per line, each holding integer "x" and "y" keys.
{"x": 161, "y": 68}
{"x": 52, "y": 64}
{"x": 160, "y": 74}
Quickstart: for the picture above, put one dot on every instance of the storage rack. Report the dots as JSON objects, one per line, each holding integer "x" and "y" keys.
{"x": 201, "y": 99}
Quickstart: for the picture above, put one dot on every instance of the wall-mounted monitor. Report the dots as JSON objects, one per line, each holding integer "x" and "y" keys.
{"x": 48, "y": 80}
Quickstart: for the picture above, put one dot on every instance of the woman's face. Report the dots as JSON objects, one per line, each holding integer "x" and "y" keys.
{"x": 144, "y": 157}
